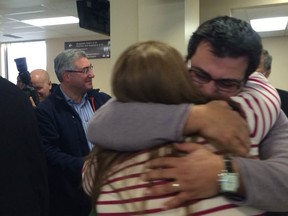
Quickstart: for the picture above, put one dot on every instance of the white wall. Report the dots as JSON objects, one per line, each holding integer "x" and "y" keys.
{"x": 277, "y": 47}
{"x": 163, "y": 20}
{"x": 139, "y": 20}
{"x": 192, "y": 18}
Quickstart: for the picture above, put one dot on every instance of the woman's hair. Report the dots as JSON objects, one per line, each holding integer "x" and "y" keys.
{"x": 150, "y": 71}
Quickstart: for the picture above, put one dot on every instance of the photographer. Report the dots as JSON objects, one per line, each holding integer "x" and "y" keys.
{"x": 24, "y": 81}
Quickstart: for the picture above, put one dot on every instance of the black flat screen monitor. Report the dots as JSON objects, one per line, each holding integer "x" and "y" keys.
{"x": 94, "y": 15}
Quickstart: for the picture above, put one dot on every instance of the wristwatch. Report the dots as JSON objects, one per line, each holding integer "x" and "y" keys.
{"x": 228, "y": 179}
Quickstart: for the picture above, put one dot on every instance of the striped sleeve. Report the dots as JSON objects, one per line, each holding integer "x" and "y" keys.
{"x": 261, "y": 104}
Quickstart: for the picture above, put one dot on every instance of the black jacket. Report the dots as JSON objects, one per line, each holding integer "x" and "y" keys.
{"x": 284, "y": 100}
{"x": 23, "y": 181}
{"x": 65, "y": 146}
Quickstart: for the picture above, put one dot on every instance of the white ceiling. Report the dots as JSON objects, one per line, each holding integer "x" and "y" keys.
{"x": 262, "y": 12}
{"x": 12, "y": 11}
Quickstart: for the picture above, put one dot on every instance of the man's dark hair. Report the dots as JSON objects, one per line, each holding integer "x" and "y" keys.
{"x": 229, "y": 37}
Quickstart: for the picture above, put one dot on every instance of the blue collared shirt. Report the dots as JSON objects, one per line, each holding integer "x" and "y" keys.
{"x": 84, "y": 110}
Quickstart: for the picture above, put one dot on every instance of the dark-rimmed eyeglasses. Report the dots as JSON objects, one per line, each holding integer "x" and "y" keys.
{"x": 224, "y": 85}
{"x": 84, "y": 70}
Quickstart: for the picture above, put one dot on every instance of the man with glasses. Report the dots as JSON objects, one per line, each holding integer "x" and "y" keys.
{"x": 222, "y": 55}
{"x": 201, "y": 77}
{"x": 63, "y": 119}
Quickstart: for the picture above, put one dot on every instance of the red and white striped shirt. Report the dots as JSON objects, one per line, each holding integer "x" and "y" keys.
{"x": 123, "y": 194}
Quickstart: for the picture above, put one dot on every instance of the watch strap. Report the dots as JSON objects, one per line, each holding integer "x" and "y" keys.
{"x": 228, "y": 179}
{"x": 228, "y": 164}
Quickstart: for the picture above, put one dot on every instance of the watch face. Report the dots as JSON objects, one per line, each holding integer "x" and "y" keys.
{"x": 229, "y": 182}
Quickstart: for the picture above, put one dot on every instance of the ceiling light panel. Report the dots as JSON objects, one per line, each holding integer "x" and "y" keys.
{"x": 52, "y": 21}
{"x": 269, "y": 24}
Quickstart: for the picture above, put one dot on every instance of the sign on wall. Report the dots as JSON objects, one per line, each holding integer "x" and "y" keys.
{"x": 94, "y": 49}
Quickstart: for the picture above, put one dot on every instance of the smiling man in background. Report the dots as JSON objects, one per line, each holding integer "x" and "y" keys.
{"x": 63, "y": 117}
{"x": 40, "y": 80}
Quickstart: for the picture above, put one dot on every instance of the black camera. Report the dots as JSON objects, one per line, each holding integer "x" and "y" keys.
{"x": 24, "y": 77}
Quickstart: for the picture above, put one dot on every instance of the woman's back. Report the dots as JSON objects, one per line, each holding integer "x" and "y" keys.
{"x": 123, "y": 193}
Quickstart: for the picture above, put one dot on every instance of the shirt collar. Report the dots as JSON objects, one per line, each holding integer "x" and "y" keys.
{"x": 71, "y": 101}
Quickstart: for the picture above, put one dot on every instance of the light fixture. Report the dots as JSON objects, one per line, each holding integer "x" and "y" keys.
{"x": 269, "y": 24}
{"x": 52, "y": 21}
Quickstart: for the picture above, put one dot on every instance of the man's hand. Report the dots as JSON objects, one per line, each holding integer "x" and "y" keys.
{"x": 218, "y": 123}
{"x": 196, "y": 173}
{"x": 32, "y": 102}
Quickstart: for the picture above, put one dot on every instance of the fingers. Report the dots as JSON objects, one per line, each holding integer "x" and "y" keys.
{"x": 162, "y": 162}
{"x": 226, "y": 128}
{"x": 32, "y": 102}
{"x": 191, "y": 176}
{"x": 236, "y": 140}
{"x": 188, "y": 147}
{"x": 158, "y": 174}
{"x": 170, "y": 188}
{"x": 163, "y": 189}
{"x": 177, "y": 200}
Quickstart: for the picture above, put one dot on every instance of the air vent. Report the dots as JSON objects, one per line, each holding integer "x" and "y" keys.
{"x": 11, "y": 36}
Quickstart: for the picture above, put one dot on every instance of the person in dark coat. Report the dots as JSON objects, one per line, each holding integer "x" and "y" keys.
{"x": 63, "y": 119}
{"x": 284, "y": 100}
{"x": 24, "y": 182}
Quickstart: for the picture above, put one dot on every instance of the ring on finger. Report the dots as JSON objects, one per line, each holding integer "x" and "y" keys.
{"x": 175, "y": 186}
